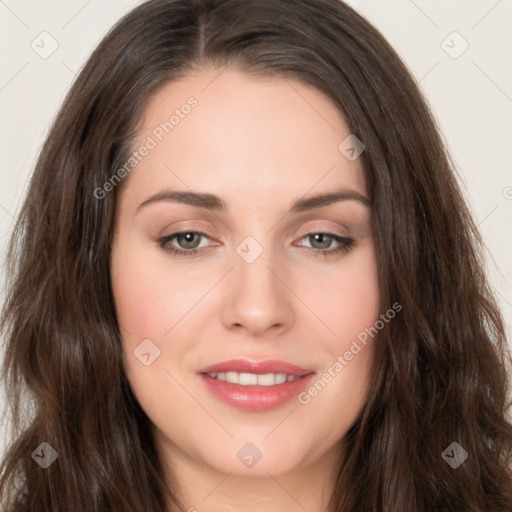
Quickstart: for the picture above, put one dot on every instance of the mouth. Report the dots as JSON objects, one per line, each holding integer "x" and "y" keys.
{"x": 247, "y": 367}
{"x": 254, "y": 379}
{"x": 255, "y": 386}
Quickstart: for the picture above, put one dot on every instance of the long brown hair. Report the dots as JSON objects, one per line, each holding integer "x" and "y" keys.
{"x": 441, "y": 367}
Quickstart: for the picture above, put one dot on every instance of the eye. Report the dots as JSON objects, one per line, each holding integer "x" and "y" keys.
{"x": 190, "y": 243}
{"x": 188, "y": 239}
{"x": 324, "y": 240}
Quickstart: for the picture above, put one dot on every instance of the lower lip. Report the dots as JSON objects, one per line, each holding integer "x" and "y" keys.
{"x": 256, "y": 398}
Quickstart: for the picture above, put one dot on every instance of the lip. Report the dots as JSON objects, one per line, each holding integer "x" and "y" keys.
{"x": 256, "y": 367}
{"x": 256, "y": 398}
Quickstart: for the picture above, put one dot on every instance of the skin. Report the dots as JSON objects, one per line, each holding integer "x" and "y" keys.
{"x": 259, "y": 144}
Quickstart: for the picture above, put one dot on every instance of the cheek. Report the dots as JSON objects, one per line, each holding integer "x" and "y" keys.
{"x": 349, "y": 307}
{"x": 138, "y": 291}
{"x": 141, "y": 310}
{"x": 136, "y": 304}
{"x": 349, "y": 300}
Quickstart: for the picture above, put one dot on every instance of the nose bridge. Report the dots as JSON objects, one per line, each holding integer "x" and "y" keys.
{"x": 255, "y": 259}
{"x": 258, "y": 298}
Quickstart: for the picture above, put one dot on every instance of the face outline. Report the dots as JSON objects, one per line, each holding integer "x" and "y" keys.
{"x": 259, "y": 144}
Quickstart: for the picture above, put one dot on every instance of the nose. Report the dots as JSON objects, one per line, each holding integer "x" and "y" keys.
{"x": 257, "y": 299}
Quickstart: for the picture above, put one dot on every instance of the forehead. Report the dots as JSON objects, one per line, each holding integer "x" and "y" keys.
{"x": 243, "y": 137}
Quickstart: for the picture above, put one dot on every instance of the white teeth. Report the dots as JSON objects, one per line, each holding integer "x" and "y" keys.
{"x": 252, "y": 379}
{"x": 266, "y": 380}
{"x": 246, "y": 379}
{"x": 232, "y": 377}
{"x": 280, "y": 378}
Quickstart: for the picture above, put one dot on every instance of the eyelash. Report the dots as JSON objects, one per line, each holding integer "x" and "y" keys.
{"x": 346, "y": 244}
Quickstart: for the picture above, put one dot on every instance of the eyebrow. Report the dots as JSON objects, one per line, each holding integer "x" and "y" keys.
{"x": 215, "y": 203}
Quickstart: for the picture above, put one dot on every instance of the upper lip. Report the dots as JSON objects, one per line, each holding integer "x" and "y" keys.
{"x": 256, "y": 367}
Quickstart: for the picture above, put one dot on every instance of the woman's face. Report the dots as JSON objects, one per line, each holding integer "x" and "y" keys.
{"x": 254, "y": 284}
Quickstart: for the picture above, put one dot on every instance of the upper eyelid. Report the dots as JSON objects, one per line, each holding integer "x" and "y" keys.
{"x": 349, "y": 228}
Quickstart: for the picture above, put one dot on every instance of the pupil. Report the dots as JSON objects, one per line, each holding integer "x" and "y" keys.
{"x": 320, "y": 235}
{"x": 187, "y": 239}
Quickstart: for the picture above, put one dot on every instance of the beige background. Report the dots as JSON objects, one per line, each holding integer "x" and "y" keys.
{"x": 469, "y": 91}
